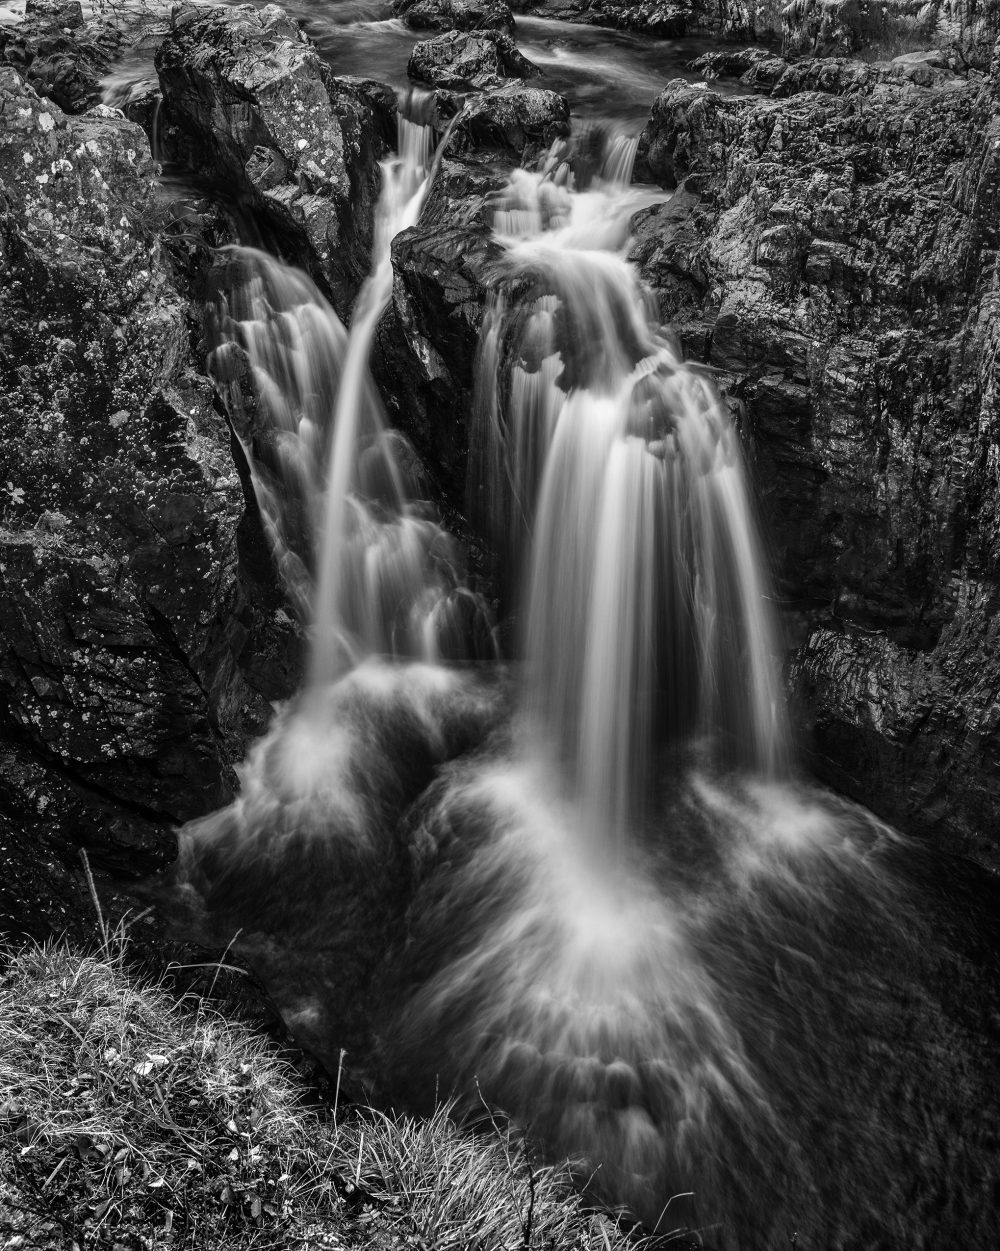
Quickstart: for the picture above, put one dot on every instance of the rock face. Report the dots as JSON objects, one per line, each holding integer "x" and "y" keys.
{"x": 467, "y": 62}
{"x": 846, "y": 27}
{"x": 832, "y": 253}
{"x": 456, "y": 14}
{"x": 652, "y": 17}
{"x": 428, "y": 339}
{"x": 249, "y": 103}
{"x": 60, "y": 57}
{"x": 127, "y": 627}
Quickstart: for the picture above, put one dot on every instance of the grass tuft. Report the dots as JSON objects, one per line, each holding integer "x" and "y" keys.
{"x": 133, "y": 1122}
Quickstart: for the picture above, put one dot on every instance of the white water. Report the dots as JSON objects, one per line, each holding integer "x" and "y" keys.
{"x": 607, "y": 893}
{"x": 618, "y": 468}
{"x": 363, "y": 558}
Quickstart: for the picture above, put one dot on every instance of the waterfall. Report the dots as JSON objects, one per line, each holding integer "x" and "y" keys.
{"x": 614, "y": 480}
{"x": 360, "y": 553}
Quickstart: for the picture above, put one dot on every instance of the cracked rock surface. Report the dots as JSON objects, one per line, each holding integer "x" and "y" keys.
{"x": 127, "y": 626}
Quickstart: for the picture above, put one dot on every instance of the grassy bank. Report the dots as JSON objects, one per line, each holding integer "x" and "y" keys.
{"x": 130, "y": 1121}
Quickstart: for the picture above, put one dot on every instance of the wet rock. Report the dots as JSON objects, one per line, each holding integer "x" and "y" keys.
{"x": 832, "y": 255}
{"x": 668, "y": 21}
{"x": 512, "y": 122}
{"x": 59, "y": 56}
{"x": 456, "y": 14}
{"x": 756, "y": 67}
{"x": 428, "y": 339}
{"x": 250, "y": 105}
{"x": 466, "y": 62}
{"x": 125, "y": 620}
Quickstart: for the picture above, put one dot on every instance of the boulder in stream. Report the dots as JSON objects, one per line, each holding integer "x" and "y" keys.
{"x": 466, "y": 61}
{"x": 456, "y": 14}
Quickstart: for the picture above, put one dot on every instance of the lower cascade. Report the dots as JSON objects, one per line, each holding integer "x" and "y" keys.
{"x": 584, "y": 887}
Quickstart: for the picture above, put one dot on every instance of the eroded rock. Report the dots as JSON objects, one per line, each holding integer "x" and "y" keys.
{"x": 467, "y": 62}
{"x": 456, "y": 14}
{"x": 512, "y": 122}
{"x": 124, "y": 621}
{"x": 251, "y": 106}
{"x": 832, "y": 254}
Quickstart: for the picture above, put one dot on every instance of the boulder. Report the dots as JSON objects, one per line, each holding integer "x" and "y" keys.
{"x": 469, "y": 61}
{"x": 129, "y": 627}
{"x": 831, "y": 253}
{"x": 510, "y": 123}
{"x": 456, "y": 14}
{"x": 250, "y": 106}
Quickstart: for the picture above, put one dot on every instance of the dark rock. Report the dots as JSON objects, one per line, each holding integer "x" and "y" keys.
{"x": 465, "y": 62}
{"x": 651, "y": 17}
{"x": 832, "y": 255}
{"x": 251, "y": 105}
{"x": 456, "y": 14}
{"x": 512, "y": 122}
{"x": 125, "y": 614}
{"x": 756, "y": 67}
{"x": 59, "y": 57}
{"x": 428, "y": 339}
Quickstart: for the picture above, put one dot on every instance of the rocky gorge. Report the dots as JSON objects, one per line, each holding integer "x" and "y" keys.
{"x": 828, "y": 251}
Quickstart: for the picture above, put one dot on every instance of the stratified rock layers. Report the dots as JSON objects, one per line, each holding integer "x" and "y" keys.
{"x": 832, "y": 254}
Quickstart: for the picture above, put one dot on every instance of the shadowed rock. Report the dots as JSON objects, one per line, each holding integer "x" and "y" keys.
{"x": 466, "y": 62}
{"x": 831, "y": 253}
{"x": 127, "y": 632}
{"x": 61, "y": 57}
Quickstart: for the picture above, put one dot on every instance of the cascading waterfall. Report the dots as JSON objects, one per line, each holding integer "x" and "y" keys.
{"x": 612, "y": 914}
{"x": 646, "y": 619}
{"x": 361, "y": 554}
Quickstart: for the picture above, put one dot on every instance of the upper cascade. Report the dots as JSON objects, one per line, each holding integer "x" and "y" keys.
{"x": 611, "y": 476}
{"x": 360, "y": 550}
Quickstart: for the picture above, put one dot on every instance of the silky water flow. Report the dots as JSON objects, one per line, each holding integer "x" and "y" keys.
{"x": 584, "y": 887}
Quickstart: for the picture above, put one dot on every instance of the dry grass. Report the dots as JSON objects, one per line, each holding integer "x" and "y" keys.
{"x": 129, "y": 1121}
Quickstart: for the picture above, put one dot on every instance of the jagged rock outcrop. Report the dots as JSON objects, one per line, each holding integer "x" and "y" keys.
{"x": 832, "y": 253}
{"x": 428, "y": 339}
{"x": 456, "y": 14}
{"x": 132, "y": 639}
{"x": 249, "y": 104}
{"x": 467, "y": 61}
{"x": 60, "y": 56}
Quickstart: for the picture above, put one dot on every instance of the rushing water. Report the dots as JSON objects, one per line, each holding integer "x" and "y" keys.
{"x": 587, "y": 887}
{"x": 362, "y": 557}
{"x": 610, "y": 76}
